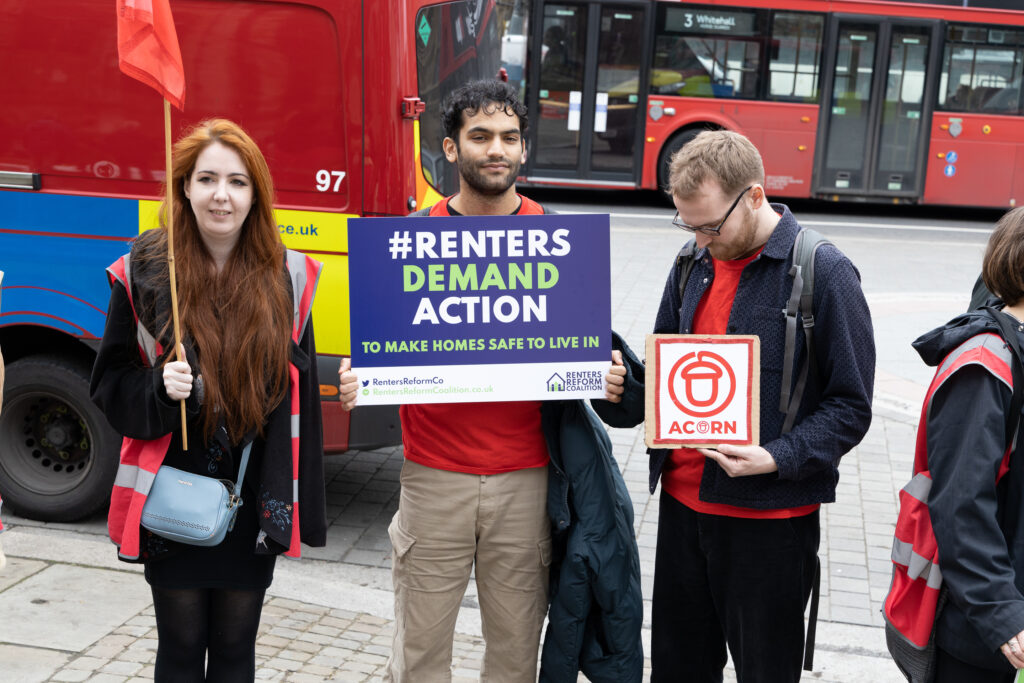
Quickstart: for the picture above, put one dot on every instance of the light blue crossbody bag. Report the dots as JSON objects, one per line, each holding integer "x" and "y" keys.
{"x": 193, "y": 509}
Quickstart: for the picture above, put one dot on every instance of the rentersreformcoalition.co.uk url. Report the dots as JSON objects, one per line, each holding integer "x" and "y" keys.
{"x": 413, "y": 391}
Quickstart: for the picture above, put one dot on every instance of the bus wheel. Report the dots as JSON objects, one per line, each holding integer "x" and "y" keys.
{"x": 674, "y": 144}
{"x": 58, "y": 454}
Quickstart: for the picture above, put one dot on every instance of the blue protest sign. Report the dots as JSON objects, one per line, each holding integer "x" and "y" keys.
{"x": 479, "y": 308}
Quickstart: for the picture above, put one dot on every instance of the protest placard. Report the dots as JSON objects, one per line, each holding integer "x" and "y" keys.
{"x": 702, "y": 390}
{"x": 479, "y": 308}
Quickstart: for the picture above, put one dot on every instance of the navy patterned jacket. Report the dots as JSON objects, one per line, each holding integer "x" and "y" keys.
{"x": 835, "y": 411}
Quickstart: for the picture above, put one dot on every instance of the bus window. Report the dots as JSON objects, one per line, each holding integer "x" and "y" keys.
{"x": 457, "y": 42}
{"x": 850, "y": 126}
{"x": 898, "y": 163}
{"x": 795, "y": 58}
{"x": 707, "y": 51}
{"x": 981, "y": 70}
{"x": 561, "y": 74}
{"x": 619, "y": 55}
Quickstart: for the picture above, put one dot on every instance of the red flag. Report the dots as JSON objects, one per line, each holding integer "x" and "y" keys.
{"x": 147, "y": 47}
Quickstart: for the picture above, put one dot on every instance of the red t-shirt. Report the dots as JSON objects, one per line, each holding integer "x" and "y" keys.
{"x": 685, "y": 467}
{"x": 475, "y": 438}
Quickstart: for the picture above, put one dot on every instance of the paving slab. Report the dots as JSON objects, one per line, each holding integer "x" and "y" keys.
{"x": 68, "y": 607}
{"x": 29, "y": 665}
{"x": 18, "y": 569}
{"x": 328, "y": 616}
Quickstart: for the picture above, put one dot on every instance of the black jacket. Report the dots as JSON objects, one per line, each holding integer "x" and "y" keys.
{"x": 835, "y": 410}
{"x": 977, "y": 522}
{"x": 596, "y": 610}
{"x": 135, "y": 403}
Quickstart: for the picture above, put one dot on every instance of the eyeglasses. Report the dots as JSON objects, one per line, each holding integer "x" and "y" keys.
{"x": 704, "y": 229}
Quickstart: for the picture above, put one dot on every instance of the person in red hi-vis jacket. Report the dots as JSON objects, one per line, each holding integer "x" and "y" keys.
{"x": 249, "y": 383}
{"x": 970, "y": 482}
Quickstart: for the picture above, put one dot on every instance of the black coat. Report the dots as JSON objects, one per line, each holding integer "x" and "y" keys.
{"x": 835, "y": 410}
{"x": 977, "y": 521}
{"x": 596, "y": 610}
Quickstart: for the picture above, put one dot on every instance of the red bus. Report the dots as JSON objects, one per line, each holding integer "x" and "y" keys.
{"x": 329, "y": 88}
{"x": 902, "y": 102}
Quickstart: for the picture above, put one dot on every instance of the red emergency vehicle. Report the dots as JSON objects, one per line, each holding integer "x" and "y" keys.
{"x": 334, "y": 92}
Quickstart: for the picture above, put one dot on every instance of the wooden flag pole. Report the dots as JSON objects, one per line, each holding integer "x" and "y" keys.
{"x": 169, "y": 203}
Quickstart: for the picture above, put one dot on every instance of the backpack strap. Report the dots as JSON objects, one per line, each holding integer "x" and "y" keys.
{"x": 800, "y": 305}
{"x": 685, "y": 261}
{"x": 801, "y": 302}
{"x": 812, "y": 617}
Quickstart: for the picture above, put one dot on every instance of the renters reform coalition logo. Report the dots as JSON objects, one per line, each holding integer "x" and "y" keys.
{"x": 585, "y": 380}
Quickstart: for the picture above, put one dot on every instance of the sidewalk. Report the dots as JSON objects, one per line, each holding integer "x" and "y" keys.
{"x": 69, "y": 611}
{"x": 72, "y": 612}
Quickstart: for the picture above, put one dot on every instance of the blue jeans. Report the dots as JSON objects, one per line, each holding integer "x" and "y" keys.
{"x": 730, "y": 582}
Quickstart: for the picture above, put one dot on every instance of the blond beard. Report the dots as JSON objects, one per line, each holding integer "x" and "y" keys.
{"x": 744, "y": 245}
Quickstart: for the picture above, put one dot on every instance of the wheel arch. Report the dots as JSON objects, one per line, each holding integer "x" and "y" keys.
{"x": 20, "y": 341}
{"x": 674, "y": 142}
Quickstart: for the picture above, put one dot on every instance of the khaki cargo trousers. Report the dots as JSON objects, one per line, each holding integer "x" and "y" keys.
{"x": 446, "y": 523}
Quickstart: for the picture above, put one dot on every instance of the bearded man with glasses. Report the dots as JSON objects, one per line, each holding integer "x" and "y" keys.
{"x": 738, "y": 526}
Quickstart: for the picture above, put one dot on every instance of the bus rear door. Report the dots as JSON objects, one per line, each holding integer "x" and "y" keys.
{"x": 880, "y": 81}
{"x": 587, "y": 93}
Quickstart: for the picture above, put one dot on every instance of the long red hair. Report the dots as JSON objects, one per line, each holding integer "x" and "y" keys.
{"x": 240, "y": 319}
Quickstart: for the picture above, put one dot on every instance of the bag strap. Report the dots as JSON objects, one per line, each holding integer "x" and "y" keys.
{"x": 800, "y": 304}
{"x": 241, "y": 470}
{"x": 685, "y": 260}
{"x": 1009, "y": 334}
{"x": 812, "y": 617}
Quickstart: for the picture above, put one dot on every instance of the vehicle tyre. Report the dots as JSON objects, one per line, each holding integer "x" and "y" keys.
{"x": 674, "y": 144}
{"x": 58, "y": 454}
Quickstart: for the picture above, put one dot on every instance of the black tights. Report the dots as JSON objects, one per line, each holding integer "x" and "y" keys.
{"x": 200, "y": 625}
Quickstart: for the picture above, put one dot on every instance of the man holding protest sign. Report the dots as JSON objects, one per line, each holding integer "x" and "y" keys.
{"x": 738, "y": 525}
{"x": 474, "y": 481}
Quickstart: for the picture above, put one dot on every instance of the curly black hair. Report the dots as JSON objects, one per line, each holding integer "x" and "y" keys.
{"x": 487, "y": 95}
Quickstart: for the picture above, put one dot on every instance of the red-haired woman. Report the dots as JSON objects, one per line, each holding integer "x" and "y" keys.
{"x": 250, "y": 376}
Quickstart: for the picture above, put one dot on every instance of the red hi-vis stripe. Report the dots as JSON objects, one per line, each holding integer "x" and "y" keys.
{"x": 149, "y": 348}
{"x": 914, "y": 518}
{"x": 147, "y": 47}
{"x": 310, "y": 275}
{"x": 915, "y": 625}
{"x": 295, "y": 549}
{"x": 306, "y": 302}
{"x": 914, "y": 594}
{"x": 978, "y": 353}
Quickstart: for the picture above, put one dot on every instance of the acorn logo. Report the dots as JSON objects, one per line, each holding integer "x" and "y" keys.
{"x": 702, "y": 384}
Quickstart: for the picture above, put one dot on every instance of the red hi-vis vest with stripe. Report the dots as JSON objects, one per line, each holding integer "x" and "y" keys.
{"x": 140, "y": 459}
{"x": 913, "y": 596}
